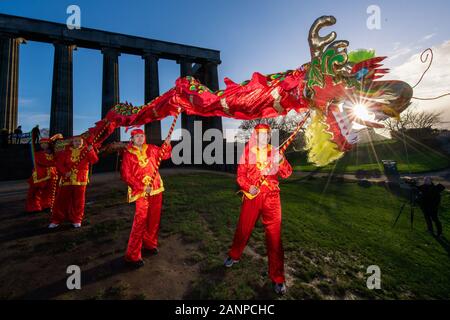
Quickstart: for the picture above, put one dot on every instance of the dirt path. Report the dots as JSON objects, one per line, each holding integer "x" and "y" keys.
{"x": 14, "y": 190}
{"x": 36, "y": 259}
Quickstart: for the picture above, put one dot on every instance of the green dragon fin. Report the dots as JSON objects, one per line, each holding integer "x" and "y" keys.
{"x": 360, "y": 55}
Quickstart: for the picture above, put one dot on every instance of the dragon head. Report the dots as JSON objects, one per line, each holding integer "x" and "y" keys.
{"x": 342, "y": 89}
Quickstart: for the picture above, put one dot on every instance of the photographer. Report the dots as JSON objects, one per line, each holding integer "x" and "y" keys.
{"x": 430, "y": 200}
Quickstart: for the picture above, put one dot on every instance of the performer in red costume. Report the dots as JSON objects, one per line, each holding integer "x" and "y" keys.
{"x": 73, "y": 165}
{"x": 258, "y": 172}
{"x": 138, "y": 165}
{"x": 43, "y": 179}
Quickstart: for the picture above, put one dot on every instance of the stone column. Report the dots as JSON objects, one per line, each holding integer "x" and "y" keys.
{"x": 9, "y": 76}
{"x": 61, "y": 114}
{"x": 151, "y": 91}
{"x": 110, "y": 85}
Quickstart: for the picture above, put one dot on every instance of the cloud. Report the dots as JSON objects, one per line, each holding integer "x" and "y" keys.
{"x": 230, "y": 127}
{"x": 26, "y": 102}
{"x": 397, "y": 45}
{"x": 29, "y": 119}
{"x": 436, "y": 82}
{"x": 85, "y": 118}
{"x": 397, "y": 53}
{"x": 427, "y": 37}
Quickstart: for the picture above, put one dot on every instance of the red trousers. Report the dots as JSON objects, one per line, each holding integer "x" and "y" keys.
{"x": 69, "y": 204}
{"x": 40, "y": 196}
{"x": 268, "y": 206}
{"x": 145, "y": 226}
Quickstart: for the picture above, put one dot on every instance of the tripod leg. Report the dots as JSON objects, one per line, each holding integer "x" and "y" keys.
{"x": 399, "y": 214}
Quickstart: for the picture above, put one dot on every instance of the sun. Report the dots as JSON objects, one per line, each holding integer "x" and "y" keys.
{"x": 361, "y": 112}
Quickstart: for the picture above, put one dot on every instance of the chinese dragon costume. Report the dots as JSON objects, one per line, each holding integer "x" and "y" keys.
{"x": 326, "y": 88}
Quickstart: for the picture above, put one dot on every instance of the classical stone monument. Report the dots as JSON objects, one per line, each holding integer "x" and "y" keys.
{"x": 14, "y": 31}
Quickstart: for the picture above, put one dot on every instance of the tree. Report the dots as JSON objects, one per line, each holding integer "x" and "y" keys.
{"x": 284, "y": 125}
{"x": 420, "y": 125}
{"x": 414, "y": 119}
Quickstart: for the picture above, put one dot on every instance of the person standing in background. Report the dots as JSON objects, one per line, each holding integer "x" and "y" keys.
{"x": 430, "y": 200}
{"x": 35, "y": 134}
{"x": 18, "y": 135}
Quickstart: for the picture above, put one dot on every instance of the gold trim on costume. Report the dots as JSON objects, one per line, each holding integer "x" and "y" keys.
{"x": 47, "y": 177}
{"x": 140, "y": 154}
{"x": 73, "y": 179}
{"x": 131, "y": 198}
{"x": 262, "y": 161}
{"x": 75, "y": 156}
{"x": 250, "y": 196}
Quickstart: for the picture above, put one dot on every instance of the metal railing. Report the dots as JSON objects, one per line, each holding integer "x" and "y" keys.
{"x": 19, "y": 138}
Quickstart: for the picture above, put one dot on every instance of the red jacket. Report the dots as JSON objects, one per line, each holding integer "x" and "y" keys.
{"x": 138, "y": 167}
{"x": 253, "y": 161}
{"x": 71, "y": 160}
{"x": 44, "y": 167}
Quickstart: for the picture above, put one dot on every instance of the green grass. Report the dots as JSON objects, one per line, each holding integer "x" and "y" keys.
{"x": 368, "y": 157}
{"x": 330, "y": 234}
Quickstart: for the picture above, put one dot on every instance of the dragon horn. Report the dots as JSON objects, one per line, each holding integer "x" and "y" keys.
{"x": 316, "y": 42}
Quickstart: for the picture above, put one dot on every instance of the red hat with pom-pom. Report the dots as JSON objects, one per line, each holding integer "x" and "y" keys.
{"x": 137, "y": 131}
{"x": 262, "y": 127}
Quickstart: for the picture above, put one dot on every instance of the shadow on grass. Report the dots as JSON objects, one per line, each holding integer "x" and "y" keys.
{"x": 265, "y": 292}
{"x": 21, "y": 214}
{"x": 101, "y": 272}
{"x": 203, "y": 288}
{"x": 28, "y": 233}
{"x": 443, "y": 241}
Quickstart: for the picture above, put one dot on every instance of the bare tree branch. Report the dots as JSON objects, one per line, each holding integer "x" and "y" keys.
{"x": 414, "y": 119}
{"x": 285, "y": 126}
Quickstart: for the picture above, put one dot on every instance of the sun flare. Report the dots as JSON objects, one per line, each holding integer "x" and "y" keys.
{"x": 360, "y": 110}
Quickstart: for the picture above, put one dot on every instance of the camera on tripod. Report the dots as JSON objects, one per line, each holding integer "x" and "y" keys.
{"x": 412, "y": 191}
{"x": 413, "y": 196}
{"x": 405, "y": 188}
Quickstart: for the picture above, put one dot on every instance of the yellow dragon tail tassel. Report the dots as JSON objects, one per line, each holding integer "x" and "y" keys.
{"x": 318, "y": 142}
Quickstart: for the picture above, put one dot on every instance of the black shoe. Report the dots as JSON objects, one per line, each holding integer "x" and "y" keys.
{"x": 229, "y": 262}
{"x": 151, "y": 252}
{"x": 280, "y": 288}
{"x": 135, "y": 264}
{"x": 33, "y": 212}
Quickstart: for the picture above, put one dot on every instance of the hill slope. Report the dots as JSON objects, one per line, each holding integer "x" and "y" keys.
{"x": 417, "y": 157}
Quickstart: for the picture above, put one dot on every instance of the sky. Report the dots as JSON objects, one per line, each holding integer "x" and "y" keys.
{"x": 252, "y": 35}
